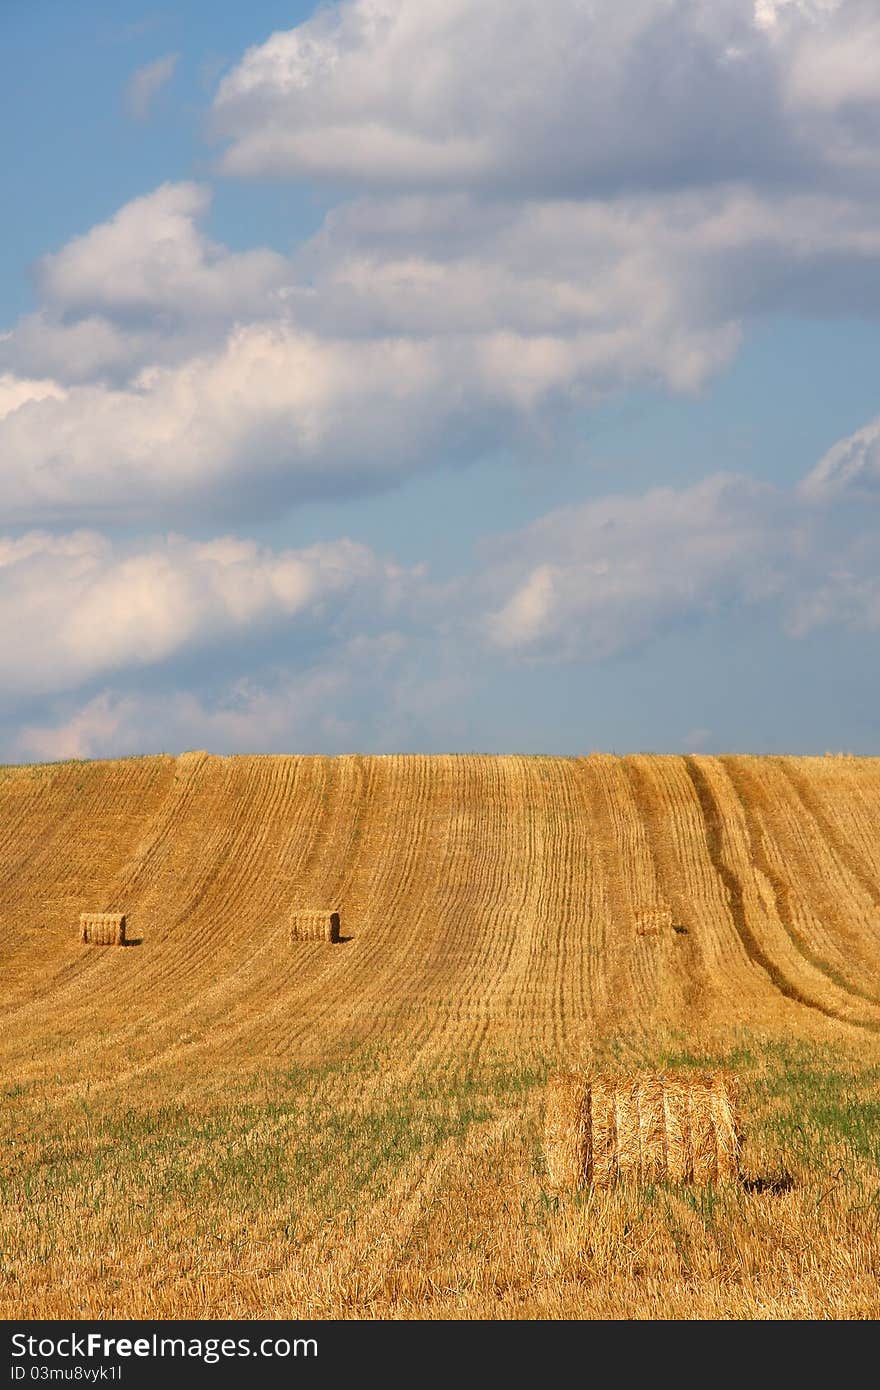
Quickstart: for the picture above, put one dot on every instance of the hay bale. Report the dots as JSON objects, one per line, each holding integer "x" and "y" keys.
{"x": 568, "y": 1131}
{"x": 652, "y": 920}
{"x": 102, "y": 928}
{"x": 641, "y": 1127}
{"x": 314, "y": 926}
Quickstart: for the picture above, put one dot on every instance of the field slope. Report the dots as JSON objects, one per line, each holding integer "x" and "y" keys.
{"x": 490, "y": 915}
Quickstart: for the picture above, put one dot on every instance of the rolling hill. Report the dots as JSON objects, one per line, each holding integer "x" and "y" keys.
{"x": 496, "y": 911}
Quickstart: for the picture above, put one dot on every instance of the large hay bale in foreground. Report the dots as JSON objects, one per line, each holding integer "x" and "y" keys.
{"x": 102, "y": 928}
{"x": 314, "y": 926}
{"x": 641, "y": 1127}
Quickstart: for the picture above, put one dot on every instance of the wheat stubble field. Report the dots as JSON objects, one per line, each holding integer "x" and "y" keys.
{"x": 215, "y": 1120}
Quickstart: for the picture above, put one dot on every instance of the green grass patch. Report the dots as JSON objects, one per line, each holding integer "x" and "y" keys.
{"x": 312, "y": 1141}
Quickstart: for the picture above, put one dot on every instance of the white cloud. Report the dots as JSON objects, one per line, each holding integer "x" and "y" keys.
{"x": 16, "y": 391}
{"x": 274, "y": 415}
{"x": 835, "y": 62}
{"x": 594, "y": 580}
{"x": 245, "y": 719}
{"x": 150, "y": 258}
{"x": 397, "y": 349}
{"x": 145, "y": 287}
{"x": 526, "y": 617}
{"x": 86, "y": 349}
{"x": 846, "y": 600}
{"x": 329, "y": 647}
{"x": 75, "y": 608}
{"x": 613, "y": 575}
{"x": 769, "y": 13}
{"x": 327, "y": 705}
{"x": 850, "y": 468}
{"x": 658, "y": 286}
{"x": 279, "y": 415}
{"x": 431, "y": 327}
{"x": 145, "y": 84}
{"x": 554, "y": 203}
{"x": 98, "y": 729}
{"x": 565, "y": 99}
{"x": 444, "y": 93}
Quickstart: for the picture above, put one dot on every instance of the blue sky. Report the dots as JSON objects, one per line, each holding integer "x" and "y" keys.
{"x": 430, "y": 375}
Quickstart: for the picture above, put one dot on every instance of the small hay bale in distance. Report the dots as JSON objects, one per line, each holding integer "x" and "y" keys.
{"x": 652, "y": 920}
{"x": 314, "y": 926}
{"x": 102, "y": 928}
{"x": 641, "y": 1127}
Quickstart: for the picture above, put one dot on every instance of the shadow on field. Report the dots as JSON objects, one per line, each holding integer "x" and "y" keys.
{"x": 764, "y": 1182}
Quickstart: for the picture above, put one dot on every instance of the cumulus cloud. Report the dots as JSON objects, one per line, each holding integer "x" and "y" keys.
{"x": 573, "y": 100}
{"x": 544, "y": 207}
{"x": 145, "y": 287}
{"x": 594, "y": 580}
{"x": 653, "y": 282}
{"x": 334, "y": 704}
{"x": 145, "y": 84}
{"x": 245, "y": 717}
{"x": 99, "y": 728}
{"x": 395, "y": 348}
{"x": 279, "y": 414}
{"x": 834, "y": 63}
{"x": 171, "y": 642}
{"x": 276, "y": 416}
{"x": 440, "y": 94}
{"x": 846, "y": 600}
{"x": 75, "y": 608}
{"x": 151, "y": 259}
{"x": 468, "y": 302}
{"x": 73, "y": 350}
{"x": 610, "y": 576}
{"x": 851, "y": 468}
{"x": 16, "y": 391}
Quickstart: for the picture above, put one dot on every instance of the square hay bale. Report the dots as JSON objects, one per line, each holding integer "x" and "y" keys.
{"x": 314, "y": 926}
{"x": 641, "y": 1127}
{"x": 102, "y": 928}
{"x": 650, "y": 921}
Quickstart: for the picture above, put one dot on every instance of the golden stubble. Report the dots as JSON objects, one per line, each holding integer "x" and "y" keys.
{"x": 551, "y": 913}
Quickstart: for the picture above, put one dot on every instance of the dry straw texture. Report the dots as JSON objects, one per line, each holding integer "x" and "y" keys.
{"x": 491, "y": 905}
{"x": 102, "y": 928}
{"x": 314, "y": 926}
{"x": 651, "y": 920}
{"x": 643, "y": 1127}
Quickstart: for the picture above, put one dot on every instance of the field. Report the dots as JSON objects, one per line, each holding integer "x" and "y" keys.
{"x": 215, "y": 1120}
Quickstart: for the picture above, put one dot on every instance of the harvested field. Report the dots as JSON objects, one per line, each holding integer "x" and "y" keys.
{"x": 217, "y": 1123}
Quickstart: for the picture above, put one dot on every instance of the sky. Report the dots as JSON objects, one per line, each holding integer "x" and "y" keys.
{"x": 439, "y": 376}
